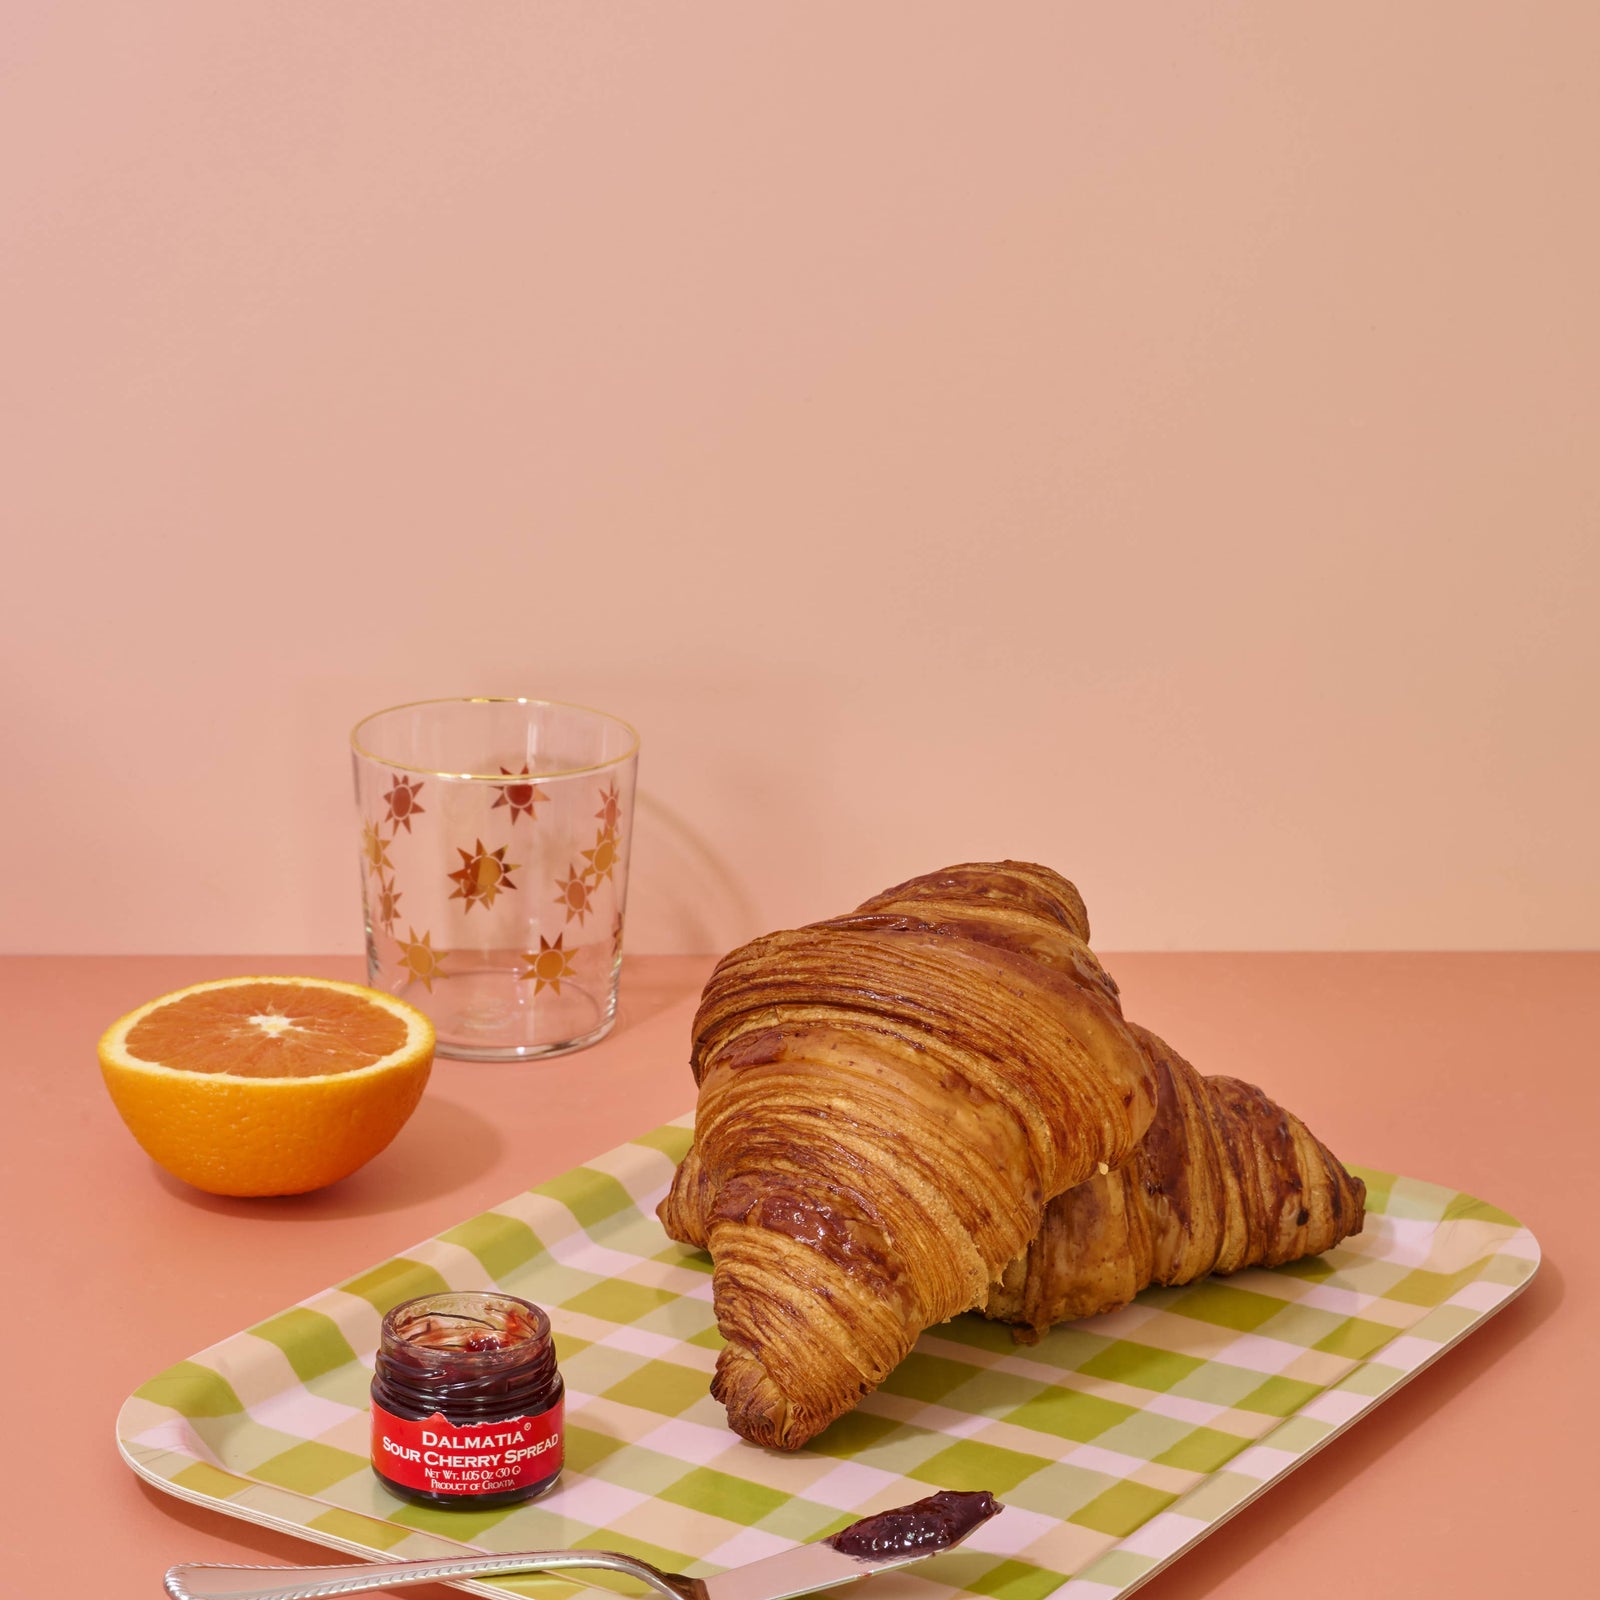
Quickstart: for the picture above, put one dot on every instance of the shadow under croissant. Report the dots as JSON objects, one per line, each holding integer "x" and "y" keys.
{"x": 1402, "y": 1411}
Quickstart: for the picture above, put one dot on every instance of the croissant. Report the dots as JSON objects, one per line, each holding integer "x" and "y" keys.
{"x": 888, "y": 1101}
{"x": 1224, "y": 1179}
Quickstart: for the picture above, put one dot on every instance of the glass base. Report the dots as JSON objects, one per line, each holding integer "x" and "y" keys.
{"x": 455, "y": 1051}
{"x": 490, "y": 1013}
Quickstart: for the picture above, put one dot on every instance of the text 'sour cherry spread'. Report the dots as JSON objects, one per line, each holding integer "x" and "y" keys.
{"x": 467, "y": 1401}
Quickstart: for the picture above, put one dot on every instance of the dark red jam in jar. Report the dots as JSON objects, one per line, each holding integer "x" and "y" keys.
{"x": 467, "y": 1401}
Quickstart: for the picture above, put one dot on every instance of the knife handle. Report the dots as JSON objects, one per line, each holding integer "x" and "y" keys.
{"x": 197, "y": 1581}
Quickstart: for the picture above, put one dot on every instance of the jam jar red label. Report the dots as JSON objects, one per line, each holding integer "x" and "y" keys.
{"x": 444, "y": 1457}
{"x": 466, "y": 1400}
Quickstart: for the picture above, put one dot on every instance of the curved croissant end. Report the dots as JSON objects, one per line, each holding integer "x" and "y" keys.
{"x": 887, "y": 1103}
{"x": 1224, "y": 1179}
{"x": 686, "y": 1212}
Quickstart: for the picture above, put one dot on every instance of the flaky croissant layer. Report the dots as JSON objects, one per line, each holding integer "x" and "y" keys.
{"x": 1224, "y": 1179}
{"x": 888, "y": 1101}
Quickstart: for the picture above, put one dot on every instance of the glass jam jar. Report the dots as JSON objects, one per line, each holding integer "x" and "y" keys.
{"x": 466, "y": 1401}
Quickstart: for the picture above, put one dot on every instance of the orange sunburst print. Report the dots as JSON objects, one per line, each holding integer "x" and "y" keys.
{"x": 375, "y": 849}
{"x": 610, "y": 812}
{"x": 521, "y": 797}
{"x": 574, "y": 894}
{"x": 421, "y": 960}
{"x": 482, "y": 875}
{"x": 402, "y": 802}
{"x": 550, "y": 965}
{"x": 388, "y": 905}
{"x": 603, "y": 858}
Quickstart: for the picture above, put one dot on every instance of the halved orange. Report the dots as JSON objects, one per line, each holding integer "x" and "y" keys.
{"x": 261, "y": 1086}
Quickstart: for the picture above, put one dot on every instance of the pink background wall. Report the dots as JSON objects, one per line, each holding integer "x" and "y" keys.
{"x": 1160, "y": 442}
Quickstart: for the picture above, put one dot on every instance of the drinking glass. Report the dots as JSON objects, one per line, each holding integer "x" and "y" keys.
{"x": 494, "y": 868}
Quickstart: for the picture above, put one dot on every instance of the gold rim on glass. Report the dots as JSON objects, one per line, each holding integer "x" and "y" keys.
{"x": 494, "y": 700}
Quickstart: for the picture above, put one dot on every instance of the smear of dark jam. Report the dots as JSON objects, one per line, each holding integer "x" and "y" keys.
{"x": 936, "y": 1523}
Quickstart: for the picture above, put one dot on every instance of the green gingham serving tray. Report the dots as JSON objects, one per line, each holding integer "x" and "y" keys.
{"x": 1116, "y": 1442}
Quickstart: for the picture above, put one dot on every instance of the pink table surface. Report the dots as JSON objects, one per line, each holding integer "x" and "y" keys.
{"x": 1476, "y": 1071}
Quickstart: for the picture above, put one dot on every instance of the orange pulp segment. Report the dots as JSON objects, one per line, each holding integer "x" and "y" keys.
{"x": 267, "y": 1030}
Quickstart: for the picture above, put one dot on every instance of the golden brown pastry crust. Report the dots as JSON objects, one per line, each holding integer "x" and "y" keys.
{"x": 887, "y": 1102}
{"x": 1225, "y": 1178}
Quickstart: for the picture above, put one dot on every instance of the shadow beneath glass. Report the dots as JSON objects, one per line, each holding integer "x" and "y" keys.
{"x": 683, "y": 893}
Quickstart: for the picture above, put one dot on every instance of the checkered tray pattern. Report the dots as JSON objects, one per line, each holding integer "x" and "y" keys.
{"x": 1116, "y": 1442}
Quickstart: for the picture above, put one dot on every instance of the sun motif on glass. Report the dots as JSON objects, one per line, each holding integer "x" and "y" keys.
{"x": 603, "y": 858}
{"x": 521, "y": 797}
{"x": 388, "y": 905}
{"x": 482, "y": 875}
{"x": 550, "y": 965}
{"x": 575, "y": 894}
{"x": 402, "y": 801}
{"x": 375, "y": 849}
{"x": 421, "y": 960}
{"x": 610, "y": 812}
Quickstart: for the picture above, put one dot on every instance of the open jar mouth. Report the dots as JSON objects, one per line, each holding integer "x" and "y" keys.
{"x": 469, "y": 1354}
{"x": 466, "y": 1330}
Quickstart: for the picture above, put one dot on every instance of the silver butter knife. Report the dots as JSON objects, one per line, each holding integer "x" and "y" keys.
{"x": 874, "y": 1544}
